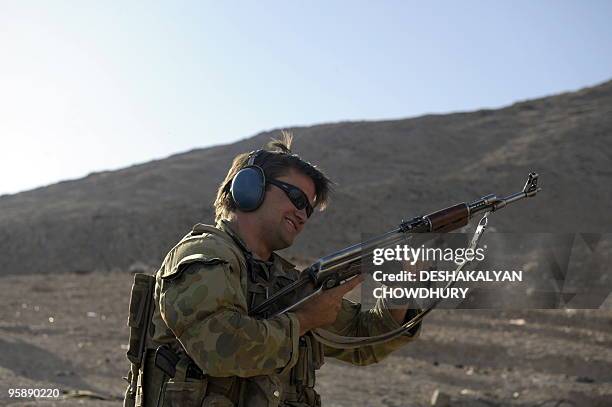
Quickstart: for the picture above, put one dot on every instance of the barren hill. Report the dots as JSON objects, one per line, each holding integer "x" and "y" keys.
{"x": 385, "y": 171}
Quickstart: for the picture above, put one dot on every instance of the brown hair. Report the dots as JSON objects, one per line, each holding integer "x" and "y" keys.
{"x": 276, "y": 160}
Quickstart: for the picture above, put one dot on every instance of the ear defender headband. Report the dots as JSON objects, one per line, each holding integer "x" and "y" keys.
{"x": 249, "y": 185}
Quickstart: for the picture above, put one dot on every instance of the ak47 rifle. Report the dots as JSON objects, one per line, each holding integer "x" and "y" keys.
{"x": 339, "y": 267}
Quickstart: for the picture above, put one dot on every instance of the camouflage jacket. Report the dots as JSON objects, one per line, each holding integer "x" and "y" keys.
{"x": 202, "y": 298}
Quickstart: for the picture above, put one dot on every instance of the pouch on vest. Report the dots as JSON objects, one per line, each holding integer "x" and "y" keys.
{"x": 262, "y": 391}
{"x": 310, "y": 359}
{"x": 150, "y": 382}
{"x": 141, "y": 308}
{"x": 181, "y": 390}
{"x": 141, "y": 301}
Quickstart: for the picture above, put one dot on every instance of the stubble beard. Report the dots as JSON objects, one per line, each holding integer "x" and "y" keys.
{"x": 276, "y": 237}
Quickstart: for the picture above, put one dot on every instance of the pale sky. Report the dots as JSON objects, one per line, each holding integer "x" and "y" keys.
{"x": 96, "y": 85}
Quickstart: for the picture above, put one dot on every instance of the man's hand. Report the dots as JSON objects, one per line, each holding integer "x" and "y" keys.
{"x": 322, "y": 310}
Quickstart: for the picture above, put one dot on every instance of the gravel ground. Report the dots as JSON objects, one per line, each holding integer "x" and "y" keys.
{"x": 68, "y": 331}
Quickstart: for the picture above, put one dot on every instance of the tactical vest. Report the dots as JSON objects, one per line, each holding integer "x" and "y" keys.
{"x": 150, "y": 386}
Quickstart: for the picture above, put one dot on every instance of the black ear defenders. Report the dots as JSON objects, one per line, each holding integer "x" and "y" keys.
{"x": 249, "y": 185}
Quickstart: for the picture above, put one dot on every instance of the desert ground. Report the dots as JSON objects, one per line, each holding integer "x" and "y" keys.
{"x": 67, "y": 331}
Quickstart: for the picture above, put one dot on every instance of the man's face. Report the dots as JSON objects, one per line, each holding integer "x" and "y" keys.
{"x": 280, "y": 220}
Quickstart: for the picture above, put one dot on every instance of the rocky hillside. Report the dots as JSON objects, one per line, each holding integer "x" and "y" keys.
{"x": 385, "y": 171}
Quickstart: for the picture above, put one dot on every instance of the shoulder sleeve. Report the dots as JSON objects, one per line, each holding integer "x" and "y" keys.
{"x": 352, "y": 321}
{"x": 203, "y": 303}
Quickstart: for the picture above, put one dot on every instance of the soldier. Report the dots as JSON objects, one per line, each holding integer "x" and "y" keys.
{"x": 214, "y": 275}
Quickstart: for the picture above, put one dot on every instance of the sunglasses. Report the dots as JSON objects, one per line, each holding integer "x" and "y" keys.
{"x": 296, "y": 196}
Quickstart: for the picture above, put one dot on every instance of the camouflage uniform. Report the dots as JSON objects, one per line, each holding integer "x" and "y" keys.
{"x": 203, "y": 292}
